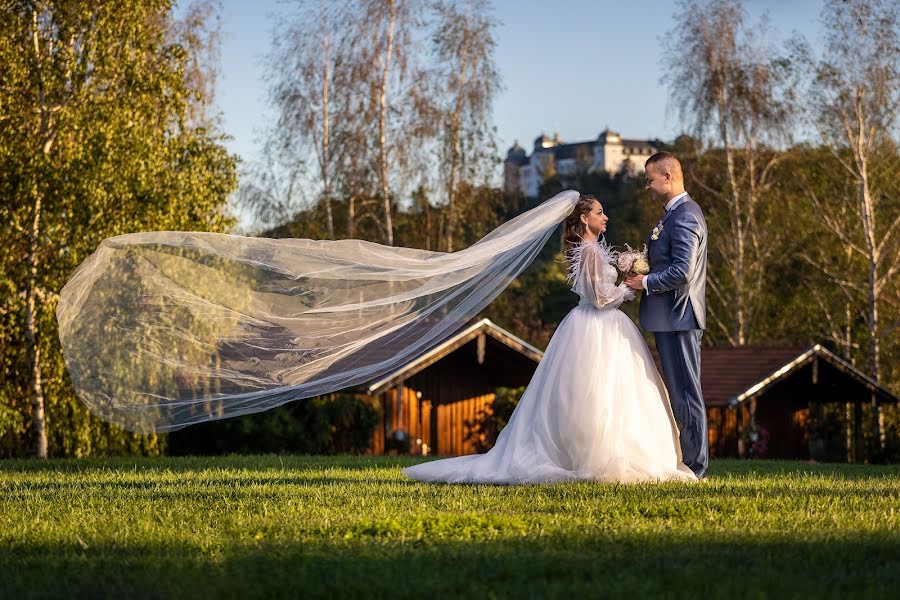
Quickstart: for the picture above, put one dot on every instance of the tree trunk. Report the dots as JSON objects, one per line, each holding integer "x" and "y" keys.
{"x": 351, "y": 216}
{"x": 326, "y": 158}
{"x": 868, "y": 222}
{"x": 452, "y": 187}
{"x": 867, "y": 214}
{"x": 737, "y": 230}
{"x": 455, "y": 134}
{"x": 426, "y": 210}
{"x": 382, "y": 126}
{"x": 848, "y": 344}
{"x": 38, "y": 423}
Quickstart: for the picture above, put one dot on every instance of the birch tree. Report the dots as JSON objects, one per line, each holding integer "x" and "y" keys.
{"x": 851, "y": 101}
{"x": 388, "y": 59}
{"x": 310, "y": 79}
{"x": 725, "y": 85}
{"x": 466, "y": 83}
{"x": 342, "y": 80}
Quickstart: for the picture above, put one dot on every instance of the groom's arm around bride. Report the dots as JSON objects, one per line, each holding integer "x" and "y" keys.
{"x": 673, "y": 305}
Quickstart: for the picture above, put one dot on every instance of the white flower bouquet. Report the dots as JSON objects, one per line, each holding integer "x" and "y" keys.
{"x": 632, "y": 261}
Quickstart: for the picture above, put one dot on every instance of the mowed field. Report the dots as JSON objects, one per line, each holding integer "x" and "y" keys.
{"x": 297, "y": 526}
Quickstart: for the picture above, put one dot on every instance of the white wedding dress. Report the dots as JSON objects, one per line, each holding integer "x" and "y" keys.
{"x": 596, "y": 408}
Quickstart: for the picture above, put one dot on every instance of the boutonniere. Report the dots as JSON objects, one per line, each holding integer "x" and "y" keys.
{"x": 656, "y": 231}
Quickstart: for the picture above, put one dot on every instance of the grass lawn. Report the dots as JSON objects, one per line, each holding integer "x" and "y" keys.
{"x": 354, "y": 527}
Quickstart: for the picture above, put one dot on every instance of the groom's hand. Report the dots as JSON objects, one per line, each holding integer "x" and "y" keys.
{"x": 635, "y": 282}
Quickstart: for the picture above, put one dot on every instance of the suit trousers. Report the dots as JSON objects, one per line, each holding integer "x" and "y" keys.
{"x": 679, "y": 353}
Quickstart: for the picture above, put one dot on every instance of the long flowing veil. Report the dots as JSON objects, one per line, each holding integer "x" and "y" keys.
{"x": 165, "y": 329}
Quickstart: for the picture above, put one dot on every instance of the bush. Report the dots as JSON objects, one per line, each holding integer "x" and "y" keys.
{"x": 489, "y": 421}
{"x": 338, "y": 423}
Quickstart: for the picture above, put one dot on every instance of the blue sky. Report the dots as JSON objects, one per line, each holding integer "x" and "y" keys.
{"x": 568, "y": 66}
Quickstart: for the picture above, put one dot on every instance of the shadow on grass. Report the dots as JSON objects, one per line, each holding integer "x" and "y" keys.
{"x": 256, "y": 487}
{"x": 202, "y": 463}
{"x": 544, "y": 566}
{"x": 743, "y": 468}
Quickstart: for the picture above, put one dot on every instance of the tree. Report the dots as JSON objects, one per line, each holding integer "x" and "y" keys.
{"x": 344, "y": 87}
{"x": 95, "y": 140}
{"x": 199, "y": 32}
{"x": 273, "y": 189}
{"x": 388, "y": 53}
{"x": 851, "y": 100}
{"x": 466, "y": 83}
{"x": 385, "y": 13}
{"x": 726, "y": 85}
{"x": 310, "y": 77}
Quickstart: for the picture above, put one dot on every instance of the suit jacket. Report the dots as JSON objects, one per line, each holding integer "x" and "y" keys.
{"x": 675, "y": 298}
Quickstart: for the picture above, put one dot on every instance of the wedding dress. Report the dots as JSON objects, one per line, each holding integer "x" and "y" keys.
{"x": 596, "y": 408}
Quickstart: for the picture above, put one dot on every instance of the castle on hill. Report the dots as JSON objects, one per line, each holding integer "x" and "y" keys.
{"x": 610, "y": 152}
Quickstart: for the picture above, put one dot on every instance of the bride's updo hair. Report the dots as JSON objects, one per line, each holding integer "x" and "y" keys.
{"x": 573, "y": 228}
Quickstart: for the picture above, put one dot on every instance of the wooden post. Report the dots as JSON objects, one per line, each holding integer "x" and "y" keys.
{"x": 399, "y": 407}
{"x": 480, "y": 347}
{"x": 435, "y": 435}
{"x": 857, "y": 432}
{"x": 878, "y": 423}
{"x": 386, "y": 418}
{"x": 848, "y": 433}
{"x": 752, "y": 417}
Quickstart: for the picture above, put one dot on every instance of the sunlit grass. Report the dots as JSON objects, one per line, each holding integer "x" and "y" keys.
{"x": 354, "y": 526}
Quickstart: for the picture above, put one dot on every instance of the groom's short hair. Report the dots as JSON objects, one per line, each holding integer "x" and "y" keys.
{"x": 667, "y": 162}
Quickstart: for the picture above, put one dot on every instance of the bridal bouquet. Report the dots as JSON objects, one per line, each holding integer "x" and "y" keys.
{"x": 633, "y": 261}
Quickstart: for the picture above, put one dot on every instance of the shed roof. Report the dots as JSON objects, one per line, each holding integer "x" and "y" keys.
{"x": 484, "y": 326}
{"x": 731, "y": 375}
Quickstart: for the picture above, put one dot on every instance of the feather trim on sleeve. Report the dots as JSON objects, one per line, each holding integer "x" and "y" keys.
{"x": 574, "y": 254}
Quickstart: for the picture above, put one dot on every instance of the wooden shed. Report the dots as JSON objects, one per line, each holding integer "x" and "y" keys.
{"x": 434, "y": 398}
{"x": 747, "y": 388}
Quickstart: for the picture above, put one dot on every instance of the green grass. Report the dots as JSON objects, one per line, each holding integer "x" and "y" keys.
{"x": 354, "y": 527}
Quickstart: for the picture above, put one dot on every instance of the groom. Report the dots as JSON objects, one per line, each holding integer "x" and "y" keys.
{"x": 674, "y": 303}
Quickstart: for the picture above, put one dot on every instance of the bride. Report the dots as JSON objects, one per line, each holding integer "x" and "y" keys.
{"x": 596, "y": 408}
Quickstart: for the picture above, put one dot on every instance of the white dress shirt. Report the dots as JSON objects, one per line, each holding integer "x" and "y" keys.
{"x": 668, "y": 208}
{"x": 674, "y": 200}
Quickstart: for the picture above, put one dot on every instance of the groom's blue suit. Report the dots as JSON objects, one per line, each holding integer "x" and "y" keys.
{"x": 674, "y": 308}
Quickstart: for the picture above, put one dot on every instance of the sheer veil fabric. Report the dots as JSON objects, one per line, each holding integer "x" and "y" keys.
{"x": 165, "y": 329}
{"x": 596, "y": 408}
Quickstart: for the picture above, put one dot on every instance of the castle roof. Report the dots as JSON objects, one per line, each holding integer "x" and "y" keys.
{"x": 545, "y": 144}
{"x": 516, "y": 152}
{"x": 564, "y": 151}
{"x": 642, "y": 144}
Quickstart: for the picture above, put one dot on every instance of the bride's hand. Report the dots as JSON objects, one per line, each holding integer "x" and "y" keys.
{"x": 635, "y": 282}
